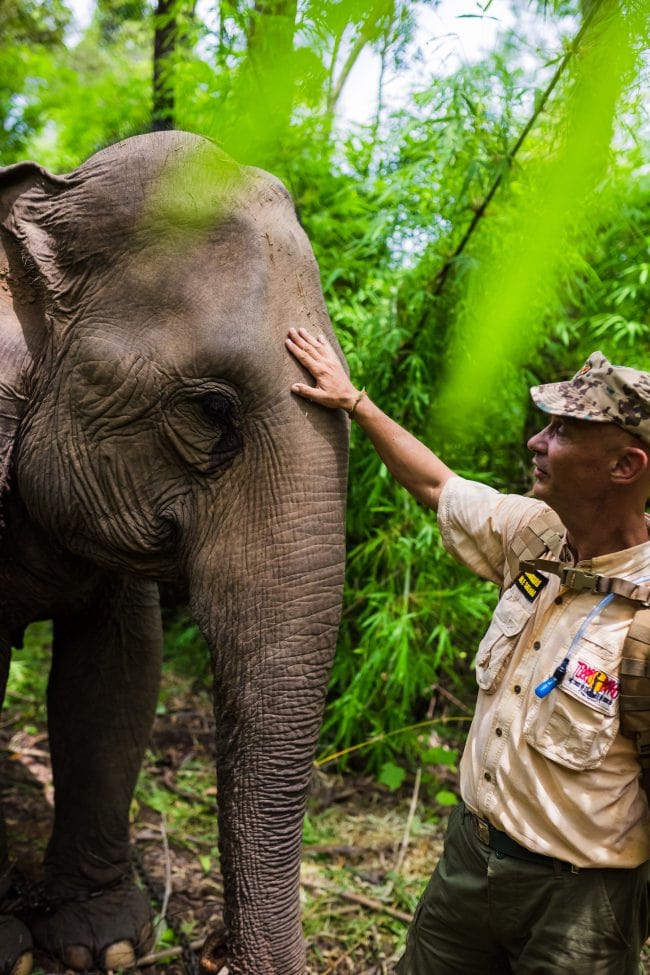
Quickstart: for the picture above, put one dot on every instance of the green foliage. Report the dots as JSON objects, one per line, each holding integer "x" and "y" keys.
{"x": 29, "y": 672}
{"x": 30, "y": 33}
{"x": 443, "y": 330}
{"x": 551, "y": 203}
{"x": 391, "y": 775}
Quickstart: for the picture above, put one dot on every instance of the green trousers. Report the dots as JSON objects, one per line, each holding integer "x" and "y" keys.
{"x": 484, "y": 913}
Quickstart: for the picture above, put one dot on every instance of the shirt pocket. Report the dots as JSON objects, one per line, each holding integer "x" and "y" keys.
{"x": 577, "y": 722}
{"x": 496, "y": 648}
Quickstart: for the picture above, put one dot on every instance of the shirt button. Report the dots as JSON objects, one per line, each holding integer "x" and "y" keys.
{"x": 536, "y": 645}
{"x": 558, "y": 600}
{"x": 498, "y": 732}
{"x": 517, "y": 689}
{"x": 487, "y": 777}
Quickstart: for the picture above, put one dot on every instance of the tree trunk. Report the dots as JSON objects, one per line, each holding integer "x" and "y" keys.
{"x": 164, "y": 49}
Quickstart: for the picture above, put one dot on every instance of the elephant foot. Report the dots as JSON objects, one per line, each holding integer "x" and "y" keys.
{"x": 108, "y": 930}
{"x": 16, "y": 956}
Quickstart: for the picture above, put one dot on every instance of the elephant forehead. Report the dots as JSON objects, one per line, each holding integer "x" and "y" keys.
{"x": 178, "y": 269}
{"x": 189, "y": 305}
{"x": 226, "y": 296}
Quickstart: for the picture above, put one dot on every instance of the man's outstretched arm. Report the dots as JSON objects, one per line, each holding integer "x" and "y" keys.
{"x": 411, "y": 463}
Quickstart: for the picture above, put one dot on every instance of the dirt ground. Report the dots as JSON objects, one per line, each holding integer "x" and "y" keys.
{"x": 360, "y": 881}
{"x": 356, "y": 904}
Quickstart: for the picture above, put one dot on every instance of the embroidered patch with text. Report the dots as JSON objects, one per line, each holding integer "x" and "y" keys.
{"x": 595, "y": 687}
{"x": 530, "y": 584}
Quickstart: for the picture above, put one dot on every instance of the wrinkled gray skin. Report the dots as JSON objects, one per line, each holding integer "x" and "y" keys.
{"x": 147, "y": 432}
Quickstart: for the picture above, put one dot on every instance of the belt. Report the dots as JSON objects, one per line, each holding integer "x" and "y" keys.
{"x": 503, "y": 845}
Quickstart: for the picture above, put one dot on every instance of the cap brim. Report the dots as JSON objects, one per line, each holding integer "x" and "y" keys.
{"x": 563, "y": 399}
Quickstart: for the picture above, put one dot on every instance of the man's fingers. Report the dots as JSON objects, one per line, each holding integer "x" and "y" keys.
{"x": 305, "y": 340}
{"x": 316, "y": 342}
{"x": 299, "y": 347}
{"x": 307, "y": 392}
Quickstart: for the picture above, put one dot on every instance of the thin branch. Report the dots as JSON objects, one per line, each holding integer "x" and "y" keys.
{"x": 447, "y": 719}
{"x": 399, "y": 863}
{"x": 380, "y": 84}
{"x": 171, "y": 952}
{"x": 437, "y": 689}
{"x": 346, "y": 956}
{"x": 168, "y": 869}
{"x": 441, "y": 277}
{"x": 414, "y": 796}
{"x": 369, "y": 31}
{"x": 18, "y": 752}
{"x": 360, "y": 899}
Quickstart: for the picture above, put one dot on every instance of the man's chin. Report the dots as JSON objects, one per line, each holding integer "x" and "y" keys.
{"x": 539, "y": 489}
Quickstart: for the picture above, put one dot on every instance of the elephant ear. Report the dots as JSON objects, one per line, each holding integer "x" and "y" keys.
{"x": 27, "y": 194}
{"x": 22, "y": 316}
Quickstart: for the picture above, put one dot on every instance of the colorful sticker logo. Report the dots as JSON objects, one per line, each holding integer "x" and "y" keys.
{"x": 595, "y": 687}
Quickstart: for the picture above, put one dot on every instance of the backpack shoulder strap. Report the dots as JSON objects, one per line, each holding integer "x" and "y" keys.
{"x": 545, "y": 533}
{"x": 634, "y": 696}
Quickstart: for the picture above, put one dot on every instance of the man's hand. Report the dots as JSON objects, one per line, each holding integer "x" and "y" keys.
{"x": 408, "y": 460}
{"x": 333, "y": 387}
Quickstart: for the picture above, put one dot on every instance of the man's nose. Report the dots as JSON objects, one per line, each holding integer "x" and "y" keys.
{"x": 537, "y": 443}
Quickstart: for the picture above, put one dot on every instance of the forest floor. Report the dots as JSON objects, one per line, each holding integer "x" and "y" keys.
{"x": 360, "y": 880}
{"x": 368, "y": 852}
{"x": 355, "y": 903}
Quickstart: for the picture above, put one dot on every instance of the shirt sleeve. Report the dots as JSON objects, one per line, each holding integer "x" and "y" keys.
{"x": 479, "y": 524}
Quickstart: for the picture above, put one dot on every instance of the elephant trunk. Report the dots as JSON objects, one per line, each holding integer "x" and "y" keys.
{"x": 269, "y": 606}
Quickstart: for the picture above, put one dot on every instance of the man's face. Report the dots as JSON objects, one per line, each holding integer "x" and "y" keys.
{"x": 573, "y": 459}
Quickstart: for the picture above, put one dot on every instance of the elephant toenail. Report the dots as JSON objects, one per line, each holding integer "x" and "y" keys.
{"x": 77, "y": 957}
{"x": 24, "y": 964}
{"x": 119, "y": 955}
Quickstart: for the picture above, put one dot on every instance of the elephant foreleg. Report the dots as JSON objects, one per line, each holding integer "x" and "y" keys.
{"x": 102, "y": 695}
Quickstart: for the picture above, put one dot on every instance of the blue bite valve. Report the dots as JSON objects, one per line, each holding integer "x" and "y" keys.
{"x": 545, "y": 688}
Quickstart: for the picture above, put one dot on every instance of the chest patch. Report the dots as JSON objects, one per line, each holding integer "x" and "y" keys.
{"x": 530, "y": 584}
{"x": 591, "y": 685}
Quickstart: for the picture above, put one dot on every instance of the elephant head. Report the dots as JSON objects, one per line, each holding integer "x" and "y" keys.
{"x": 155, "y": 436}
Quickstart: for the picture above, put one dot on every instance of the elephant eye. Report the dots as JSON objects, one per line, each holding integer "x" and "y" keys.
{"x": 220, "y": 411}
{"x": 217, "y": 407}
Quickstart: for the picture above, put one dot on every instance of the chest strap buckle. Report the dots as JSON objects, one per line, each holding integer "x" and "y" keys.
{"x": 579, "y": 579}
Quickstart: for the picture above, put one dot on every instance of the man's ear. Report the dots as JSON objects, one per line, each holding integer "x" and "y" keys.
{"x": 631, "y": 464}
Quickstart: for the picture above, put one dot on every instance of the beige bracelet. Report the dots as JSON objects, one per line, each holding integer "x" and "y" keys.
{"x": 360, "y": 396}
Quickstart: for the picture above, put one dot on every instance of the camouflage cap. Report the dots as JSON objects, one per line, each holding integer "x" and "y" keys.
{"x": 603, "y": 393}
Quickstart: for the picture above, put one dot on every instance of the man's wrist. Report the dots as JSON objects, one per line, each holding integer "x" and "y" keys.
{"x": 358, "y": 396}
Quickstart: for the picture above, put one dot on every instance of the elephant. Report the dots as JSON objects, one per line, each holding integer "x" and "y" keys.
{"x": 148, "y": 433}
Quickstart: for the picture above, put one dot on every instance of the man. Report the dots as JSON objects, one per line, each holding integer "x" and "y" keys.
{"x": 545, "y": 865}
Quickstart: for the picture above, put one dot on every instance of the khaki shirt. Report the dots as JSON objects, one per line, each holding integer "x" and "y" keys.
{"x": 555, "y": 774}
